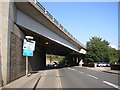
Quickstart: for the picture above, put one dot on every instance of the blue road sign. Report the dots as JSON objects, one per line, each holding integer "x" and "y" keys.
{"x": 27, "y": 52}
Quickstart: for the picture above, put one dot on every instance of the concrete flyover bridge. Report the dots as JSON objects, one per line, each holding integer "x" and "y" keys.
{"x": 30, "y": 18}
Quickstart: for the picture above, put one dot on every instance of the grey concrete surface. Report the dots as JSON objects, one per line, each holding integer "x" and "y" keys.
{"x": 4, "y": 41}
{"x": 49, "y": 79}
{"x": 40, "y": 16}
{"x": 29, "y": 23}
{"x": 0, "y": 70}
{"x": 24, "y": 82}
{"x": 0, "y": 74}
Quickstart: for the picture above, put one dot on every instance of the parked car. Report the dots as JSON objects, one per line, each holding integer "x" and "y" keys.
{"x": 104, "y": 64}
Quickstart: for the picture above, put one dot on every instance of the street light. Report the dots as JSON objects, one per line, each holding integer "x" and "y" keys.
{"x": 46, "y": 43}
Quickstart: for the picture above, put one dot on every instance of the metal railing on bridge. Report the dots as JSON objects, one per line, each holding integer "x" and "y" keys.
{"x": 53, "y": 19}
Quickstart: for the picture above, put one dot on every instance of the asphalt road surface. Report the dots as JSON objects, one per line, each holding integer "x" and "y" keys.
{"x": 78, "y": 77}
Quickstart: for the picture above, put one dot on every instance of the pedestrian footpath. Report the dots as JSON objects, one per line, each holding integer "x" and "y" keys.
{"x": 25, "y": 82}
{"x": 42, "y": 79}
{"x": 112, "y": 71}
{"x": 50, "y": 79}
{"x": 104, "y": 69}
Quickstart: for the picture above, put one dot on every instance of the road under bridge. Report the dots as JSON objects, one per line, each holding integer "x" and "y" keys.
{"x": 20, "y": 19}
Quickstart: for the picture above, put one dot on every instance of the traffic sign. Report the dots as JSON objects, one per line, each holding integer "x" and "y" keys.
{"x": 27, "y": 52}
{"x": 29, "y": 45}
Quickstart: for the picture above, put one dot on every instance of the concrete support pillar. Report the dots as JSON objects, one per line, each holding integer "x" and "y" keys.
{"x": 0, "y": 42}
{"x": 73, "y": 59}
{"x": 38, "y": 61}
{"x": 77, "y": 61}
{"x": 4, "y": 41}
{"x": 0, "y": 69}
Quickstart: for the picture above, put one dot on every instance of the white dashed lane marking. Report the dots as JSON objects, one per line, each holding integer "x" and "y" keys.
{"x": 92, "y": 76}
{"x": 113, "y": 85}
{"x": 81, "y": 72}
{"x": 76, "y": 70}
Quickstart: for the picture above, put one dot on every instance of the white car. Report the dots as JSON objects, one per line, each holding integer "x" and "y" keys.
{"x": 103, "y": 65}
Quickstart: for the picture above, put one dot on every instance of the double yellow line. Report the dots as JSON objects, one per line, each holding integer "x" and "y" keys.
{"x": 59, "y": 81}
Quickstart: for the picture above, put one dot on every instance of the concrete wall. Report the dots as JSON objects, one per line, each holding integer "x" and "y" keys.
{"x": 17, "y": 60}
{"x": 29, "y": 23}
{"x": 38, "y": 61}
{"x": 0, "y": 42}
{"x": 4, "y": 41}
{"x": 35, "y": 63}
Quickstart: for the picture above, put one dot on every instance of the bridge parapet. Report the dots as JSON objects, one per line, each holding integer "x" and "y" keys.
{"x": 56, "y": 22}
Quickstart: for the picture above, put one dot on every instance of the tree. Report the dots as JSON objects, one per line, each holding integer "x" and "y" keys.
{"x": 61, "y": 60}
{"x": 119, "y": 56}
{"x": 113, "y": 55}
{"x": 97, "y": 50}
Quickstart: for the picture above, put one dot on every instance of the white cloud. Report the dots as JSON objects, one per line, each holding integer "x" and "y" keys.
{"x": 113, "y": 46}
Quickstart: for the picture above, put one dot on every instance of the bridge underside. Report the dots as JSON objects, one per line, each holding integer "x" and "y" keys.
{"x": 20, "y": 20}
{"x": 39, "y": 59}
{"x": 50, "y": 48}
{"x": 17, "y": 30}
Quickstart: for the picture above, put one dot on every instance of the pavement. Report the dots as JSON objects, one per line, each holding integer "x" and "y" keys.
{"x": 112, "y": 71}
{"x": 42, "y": 79}
{"x": 104, "y": 69}
{"x": 25, "y": 82}
{"x": 49, "y": 79}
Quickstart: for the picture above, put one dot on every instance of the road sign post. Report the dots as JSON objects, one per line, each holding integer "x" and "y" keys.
{"x": 28, "y": 48}
{"x": 27, "y": 66}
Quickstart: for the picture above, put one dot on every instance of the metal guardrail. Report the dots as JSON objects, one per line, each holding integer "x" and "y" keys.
{"x": 61, "y": 26}
{"x": 40, "y": 6}
{"x": 52, "y": 18}
{"x": 56, "y": 21}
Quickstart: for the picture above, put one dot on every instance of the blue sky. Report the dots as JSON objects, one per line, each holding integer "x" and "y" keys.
{"x": 87, "y": 19}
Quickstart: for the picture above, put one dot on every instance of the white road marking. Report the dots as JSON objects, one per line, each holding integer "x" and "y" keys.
{"x": 75, "y": 70}
{"x": 71, "y": 69}
{"x": 59, "y": 81}
{"x": 68, "y": 68}
{"x": 92, "y": 76}
{"x": 81, "y": 72}
{"x": 113, "y": 85}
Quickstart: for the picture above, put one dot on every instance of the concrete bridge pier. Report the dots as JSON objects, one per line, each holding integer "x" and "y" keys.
{"x": 38, "y": 61}
{"x": 73, "y": 60}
